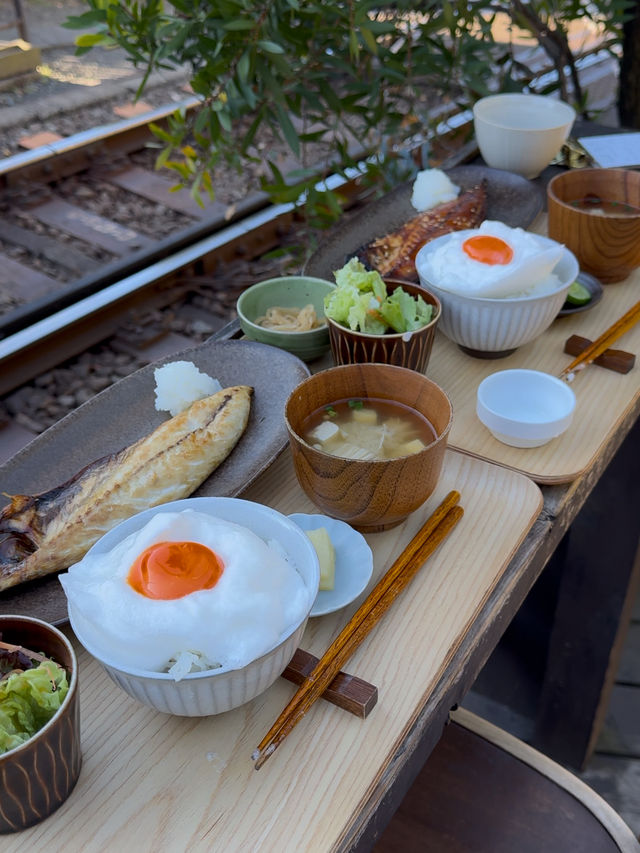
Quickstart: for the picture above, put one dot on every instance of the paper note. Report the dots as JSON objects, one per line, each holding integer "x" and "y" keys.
{"x": 615, "y": 149}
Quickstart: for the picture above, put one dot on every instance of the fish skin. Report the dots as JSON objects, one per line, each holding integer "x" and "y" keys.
{"x": 44, "y": 533}
{"x": 394, "y": 254}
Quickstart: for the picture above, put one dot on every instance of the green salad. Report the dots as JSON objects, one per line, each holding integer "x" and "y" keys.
{"x": 360, "y": 302}
{"x": 30, "y": 694}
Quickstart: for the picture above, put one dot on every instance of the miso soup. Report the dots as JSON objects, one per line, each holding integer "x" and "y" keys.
{"x": 368, "y": 428}
{"x": 603, "y": 207}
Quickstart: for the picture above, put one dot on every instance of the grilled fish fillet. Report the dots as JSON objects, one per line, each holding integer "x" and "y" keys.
{"x": 393, "y": 255}
{"x": 44, "y": 533}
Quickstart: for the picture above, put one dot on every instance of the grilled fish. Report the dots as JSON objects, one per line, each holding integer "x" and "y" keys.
{"x": 393, "y": 255}
{"x": 47, "y": 532}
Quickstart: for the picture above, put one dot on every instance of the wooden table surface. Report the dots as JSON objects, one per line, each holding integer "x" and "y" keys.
{"x": 153, "y": 782}
{"x": 158, "y": 783}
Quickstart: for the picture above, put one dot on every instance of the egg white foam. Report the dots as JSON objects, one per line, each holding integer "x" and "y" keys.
{"x": 259, "y": 598}
{"x": 529, "y": 272}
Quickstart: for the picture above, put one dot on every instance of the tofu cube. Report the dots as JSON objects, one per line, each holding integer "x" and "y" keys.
{"x": 365, "y": 416}
{"x": 414, "y": 446}
{"x": 325, "y": 433}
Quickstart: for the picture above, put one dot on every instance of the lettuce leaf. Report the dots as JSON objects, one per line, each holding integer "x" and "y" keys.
{"x": 360, "y": 302}
{"x": 28, "y": 700}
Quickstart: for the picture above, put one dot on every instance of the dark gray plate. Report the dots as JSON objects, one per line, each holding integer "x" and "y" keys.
{"x": 123, "y": 413}
{"x": 595, "y": 289}
{"x": 510, "y": 198}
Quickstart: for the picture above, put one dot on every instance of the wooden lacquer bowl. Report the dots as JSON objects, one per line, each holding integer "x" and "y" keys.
{"x": 607, "y": 246}
{"x": 408, "y": 349}
{"x": 37, "y": 776}
{"x": 370, "y": 495}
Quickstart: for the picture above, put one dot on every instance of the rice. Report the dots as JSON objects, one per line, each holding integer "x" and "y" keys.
{"x": 432, "y": 187}
{"x": 179, "y": 384}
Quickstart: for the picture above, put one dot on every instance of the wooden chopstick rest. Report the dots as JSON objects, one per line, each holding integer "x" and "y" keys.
{"x": 612, "y": 359}
{"x": 348, "y": 692}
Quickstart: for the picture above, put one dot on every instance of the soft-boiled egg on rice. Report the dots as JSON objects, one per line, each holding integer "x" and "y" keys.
{"x": 186, "y": 582}
{"x": 493, "y": 261}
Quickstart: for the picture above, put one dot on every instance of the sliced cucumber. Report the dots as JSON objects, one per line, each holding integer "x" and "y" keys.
{"x": 578, "y": 294}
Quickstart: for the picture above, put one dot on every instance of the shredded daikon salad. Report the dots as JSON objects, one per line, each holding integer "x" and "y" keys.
{"x": 290, "y": 319}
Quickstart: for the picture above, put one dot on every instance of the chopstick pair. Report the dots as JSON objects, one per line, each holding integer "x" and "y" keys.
{"x": 602, "y": 343}
{"x": 432, "y": 533}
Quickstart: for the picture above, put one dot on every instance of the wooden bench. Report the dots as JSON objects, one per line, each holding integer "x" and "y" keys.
{"x": 484, "y": 791}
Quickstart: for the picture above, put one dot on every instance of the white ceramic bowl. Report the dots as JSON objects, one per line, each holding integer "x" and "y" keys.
{"x": 492, "y": 328}
{"x": 218, "y": 690}
{"x": 521, "y": 133}
{"x": 525, "y": 408}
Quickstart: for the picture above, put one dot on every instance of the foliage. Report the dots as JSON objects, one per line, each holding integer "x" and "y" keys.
{"x": 363, "y": 75}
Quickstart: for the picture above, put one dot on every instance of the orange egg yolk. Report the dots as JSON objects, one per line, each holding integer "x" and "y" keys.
{"x": 488, "y": 250}
{"x": 169, "y": 570}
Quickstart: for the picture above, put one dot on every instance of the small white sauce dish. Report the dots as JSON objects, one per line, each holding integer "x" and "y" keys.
{"x": 354, "y": 562}
{"x": 525, "y": 408}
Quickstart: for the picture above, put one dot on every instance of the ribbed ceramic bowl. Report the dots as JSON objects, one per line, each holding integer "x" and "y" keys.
{"x": 214, "y": 691}
{"x": 408, "y": 349}
{"x": 292, "y": 291}
{"x": 371, "y": 495}
{"x": 493, "y": 328}
{"x": 38, "y": 776}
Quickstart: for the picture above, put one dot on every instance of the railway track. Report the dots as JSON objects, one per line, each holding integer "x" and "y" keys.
{"x": 60, "y": 346}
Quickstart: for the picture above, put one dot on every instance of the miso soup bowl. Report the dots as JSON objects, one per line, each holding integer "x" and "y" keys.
{"x": 607, "y": 247}
{"x": 371, "y": 495}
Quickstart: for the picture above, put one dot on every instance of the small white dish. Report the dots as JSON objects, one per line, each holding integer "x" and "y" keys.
{"x": 354, "y": 562}
{"x": 525, "y": 408}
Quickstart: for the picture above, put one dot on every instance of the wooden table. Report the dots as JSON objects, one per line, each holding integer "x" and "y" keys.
{"x": 152, "y": 782}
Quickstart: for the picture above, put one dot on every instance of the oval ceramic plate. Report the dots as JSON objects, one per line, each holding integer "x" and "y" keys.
{"x": 124, "y": 413}
{"x": 595, "y": 289}
{"x": 510, "y": 199}
{"x": 354, "y": 562}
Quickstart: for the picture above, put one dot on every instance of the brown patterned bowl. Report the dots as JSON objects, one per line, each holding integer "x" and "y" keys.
{"x": 409, "y": 349}
{"x": 38, "y": 776}
{"x": 370, "y": 495}
{"x": 607, "y": 247}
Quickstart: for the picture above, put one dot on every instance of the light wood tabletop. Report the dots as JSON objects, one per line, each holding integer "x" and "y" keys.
{"x": 152, "y": 782}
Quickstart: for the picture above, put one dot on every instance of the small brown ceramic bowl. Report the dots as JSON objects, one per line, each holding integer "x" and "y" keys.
{"x": 606, "y": 246}
{"x": 370, "y": 495}
{"x": 38, "y": 776}
{"x": 406, "y": 349}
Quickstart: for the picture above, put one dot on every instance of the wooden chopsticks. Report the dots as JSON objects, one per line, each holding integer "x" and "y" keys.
{"x": 626, "y": 322}
{"x": 424, "y": 543}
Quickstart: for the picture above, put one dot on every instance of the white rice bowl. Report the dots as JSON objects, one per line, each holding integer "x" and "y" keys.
{"x": 209, "y": 691}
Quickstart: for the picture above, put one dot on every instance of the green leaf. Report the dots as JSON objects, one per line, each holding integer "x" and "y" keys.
{"x": 270, "y": 46}
{"x": 369, "y": 40}
{"x": 87, "y": 19}
{"x": 238, "y": 24}
{"x": 288, "y": 130}
{"x": 90, "y": 39}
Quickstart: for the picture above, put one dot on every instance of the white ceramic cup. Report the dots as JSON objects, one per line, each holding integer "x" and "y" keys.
{"x": 521, "y": 133}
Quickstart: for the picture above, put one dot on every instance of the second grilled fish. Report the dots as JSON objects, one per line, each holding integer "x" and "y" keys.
{"x": 393, "y": 255}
